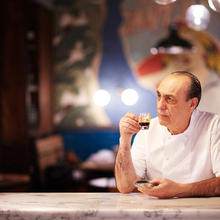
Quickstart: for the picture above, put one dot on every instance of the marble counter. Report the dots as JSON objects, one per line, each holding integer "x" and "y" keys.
{"x": 104, "y": 206}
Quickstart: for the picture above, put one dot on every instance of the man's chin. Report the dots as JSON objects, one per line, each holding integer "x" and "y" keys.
{"x": 162, "y": 121}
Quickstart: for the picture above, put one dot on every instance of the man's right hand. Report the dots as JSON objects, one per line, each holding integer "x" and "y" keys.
{"x": 128, "y": 125}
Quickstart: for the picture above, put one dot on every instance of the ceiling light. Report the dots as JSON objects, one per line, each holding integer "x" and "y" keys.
{"x": 197, "y": 17}
{"x": 174, "y": 44}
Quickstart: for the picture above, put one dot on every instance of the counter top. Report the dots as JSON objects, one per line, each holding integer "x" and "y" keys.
{"x": 104, "y": 206}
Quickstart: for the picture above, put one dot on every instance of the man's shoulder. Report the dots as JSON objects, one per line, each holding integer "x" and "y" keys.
{"x": 207, "y": 118}
{"x": 204, "y": 114}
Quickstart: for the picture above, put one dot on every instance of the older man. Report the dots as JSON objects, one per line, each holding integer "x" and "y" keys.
{"x": 180, "y": 153}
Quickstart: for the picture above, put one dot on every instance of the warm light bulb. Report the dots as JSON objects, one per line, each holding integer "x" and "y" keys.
{"x": 164, "y": 2}
{"x": 129, "y": 97}
{"x": 197, "y": 17}
{"x": 214, "y": 5}
{"x": 101, "y": 98}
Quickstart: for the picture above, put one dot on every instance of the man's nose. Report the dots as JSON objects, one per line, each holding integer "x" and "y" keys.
{"x": 161, "y": 104}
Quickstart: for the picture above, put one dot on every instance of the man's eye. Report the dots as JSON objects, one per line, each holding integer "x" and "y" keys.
{"x": 170, "y": 99}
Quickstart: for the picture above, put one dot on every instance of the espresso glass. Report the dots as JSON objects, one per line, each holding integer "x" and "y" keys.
{"x": 144, "y": 120}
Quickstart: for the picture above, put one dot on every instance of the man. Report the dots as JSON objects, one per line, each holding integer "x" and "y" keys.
{"x": 180, "y": 153}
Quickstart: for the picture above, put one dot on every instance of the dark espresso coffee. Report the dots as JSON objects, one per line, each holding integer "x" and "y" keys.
{"x": 144, "y": 125}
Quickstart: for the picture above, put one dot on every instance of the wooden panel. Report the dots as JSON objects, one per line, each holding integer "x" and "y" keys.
{"x": 13, "y": 111}
{"x": 45, "y": 71}
{"x": 13, "y": 133}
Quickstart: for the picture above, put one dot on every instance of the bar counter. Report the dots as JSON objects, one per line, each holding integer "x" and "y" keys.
{"x": 104, "y": 206}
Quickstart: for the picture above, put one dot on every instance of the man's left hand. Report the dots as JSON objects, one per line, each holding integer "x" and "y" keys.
{"x": 163, "y": 188}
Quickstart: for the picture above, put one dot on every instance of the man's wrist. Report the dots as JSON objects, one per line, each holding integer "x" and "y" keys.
{"x": 184, "y": 190}
{"x": 125, "y": 140}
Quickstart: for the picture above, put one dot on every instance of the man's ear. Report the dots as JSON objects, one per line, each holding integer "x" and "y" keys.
{"x": 193, "y": 103}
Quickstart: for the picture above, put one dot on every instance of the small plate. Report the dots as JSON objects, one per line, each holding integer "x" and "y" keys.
{"x": 143, "y": 184}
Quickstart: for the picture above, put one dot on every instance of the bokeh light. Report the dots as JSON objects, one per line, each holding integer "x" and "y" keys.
{"x": 129, "y": 97}
{"x": 101, "y": 98}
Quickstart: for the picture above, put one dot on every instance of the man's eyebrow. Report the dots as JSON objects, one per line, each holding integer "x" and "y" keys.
{"x": 170, "y": 95}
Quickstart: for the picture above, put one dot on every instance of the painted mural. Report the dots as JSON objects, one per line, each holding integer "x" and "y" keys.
{"x": 105, "y": 44}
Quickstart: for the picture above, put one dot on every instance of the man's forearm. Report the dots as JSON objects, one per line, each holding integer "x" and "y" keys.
{"x": 204, "y": 188}
{"x": 124, "y": 170}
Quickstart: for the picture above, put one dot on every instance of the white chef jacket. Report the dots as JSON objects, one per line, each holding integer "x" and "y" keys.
{"x": 191, "y": 156}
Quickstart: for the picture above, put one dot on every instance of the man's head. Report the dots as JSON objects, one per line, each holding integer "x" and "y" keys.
{"x": 195, "y": 89}
{"x": 178, "y": 95}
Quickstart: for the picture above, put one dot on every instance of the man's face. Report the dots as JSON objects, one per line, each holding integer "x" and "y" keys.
{"x": 173, "y": 110}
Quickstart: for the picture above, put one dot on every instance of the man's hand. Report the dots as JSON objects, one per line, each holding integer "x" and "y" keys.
{"x": 164, "y": 188}
{"x": 168, "y": 189}
{"x": 129, "y": 125}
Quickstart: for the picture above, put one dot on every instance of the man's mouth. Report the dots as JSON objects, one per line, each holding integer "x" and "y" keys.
{"x": 162, "y": 115}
